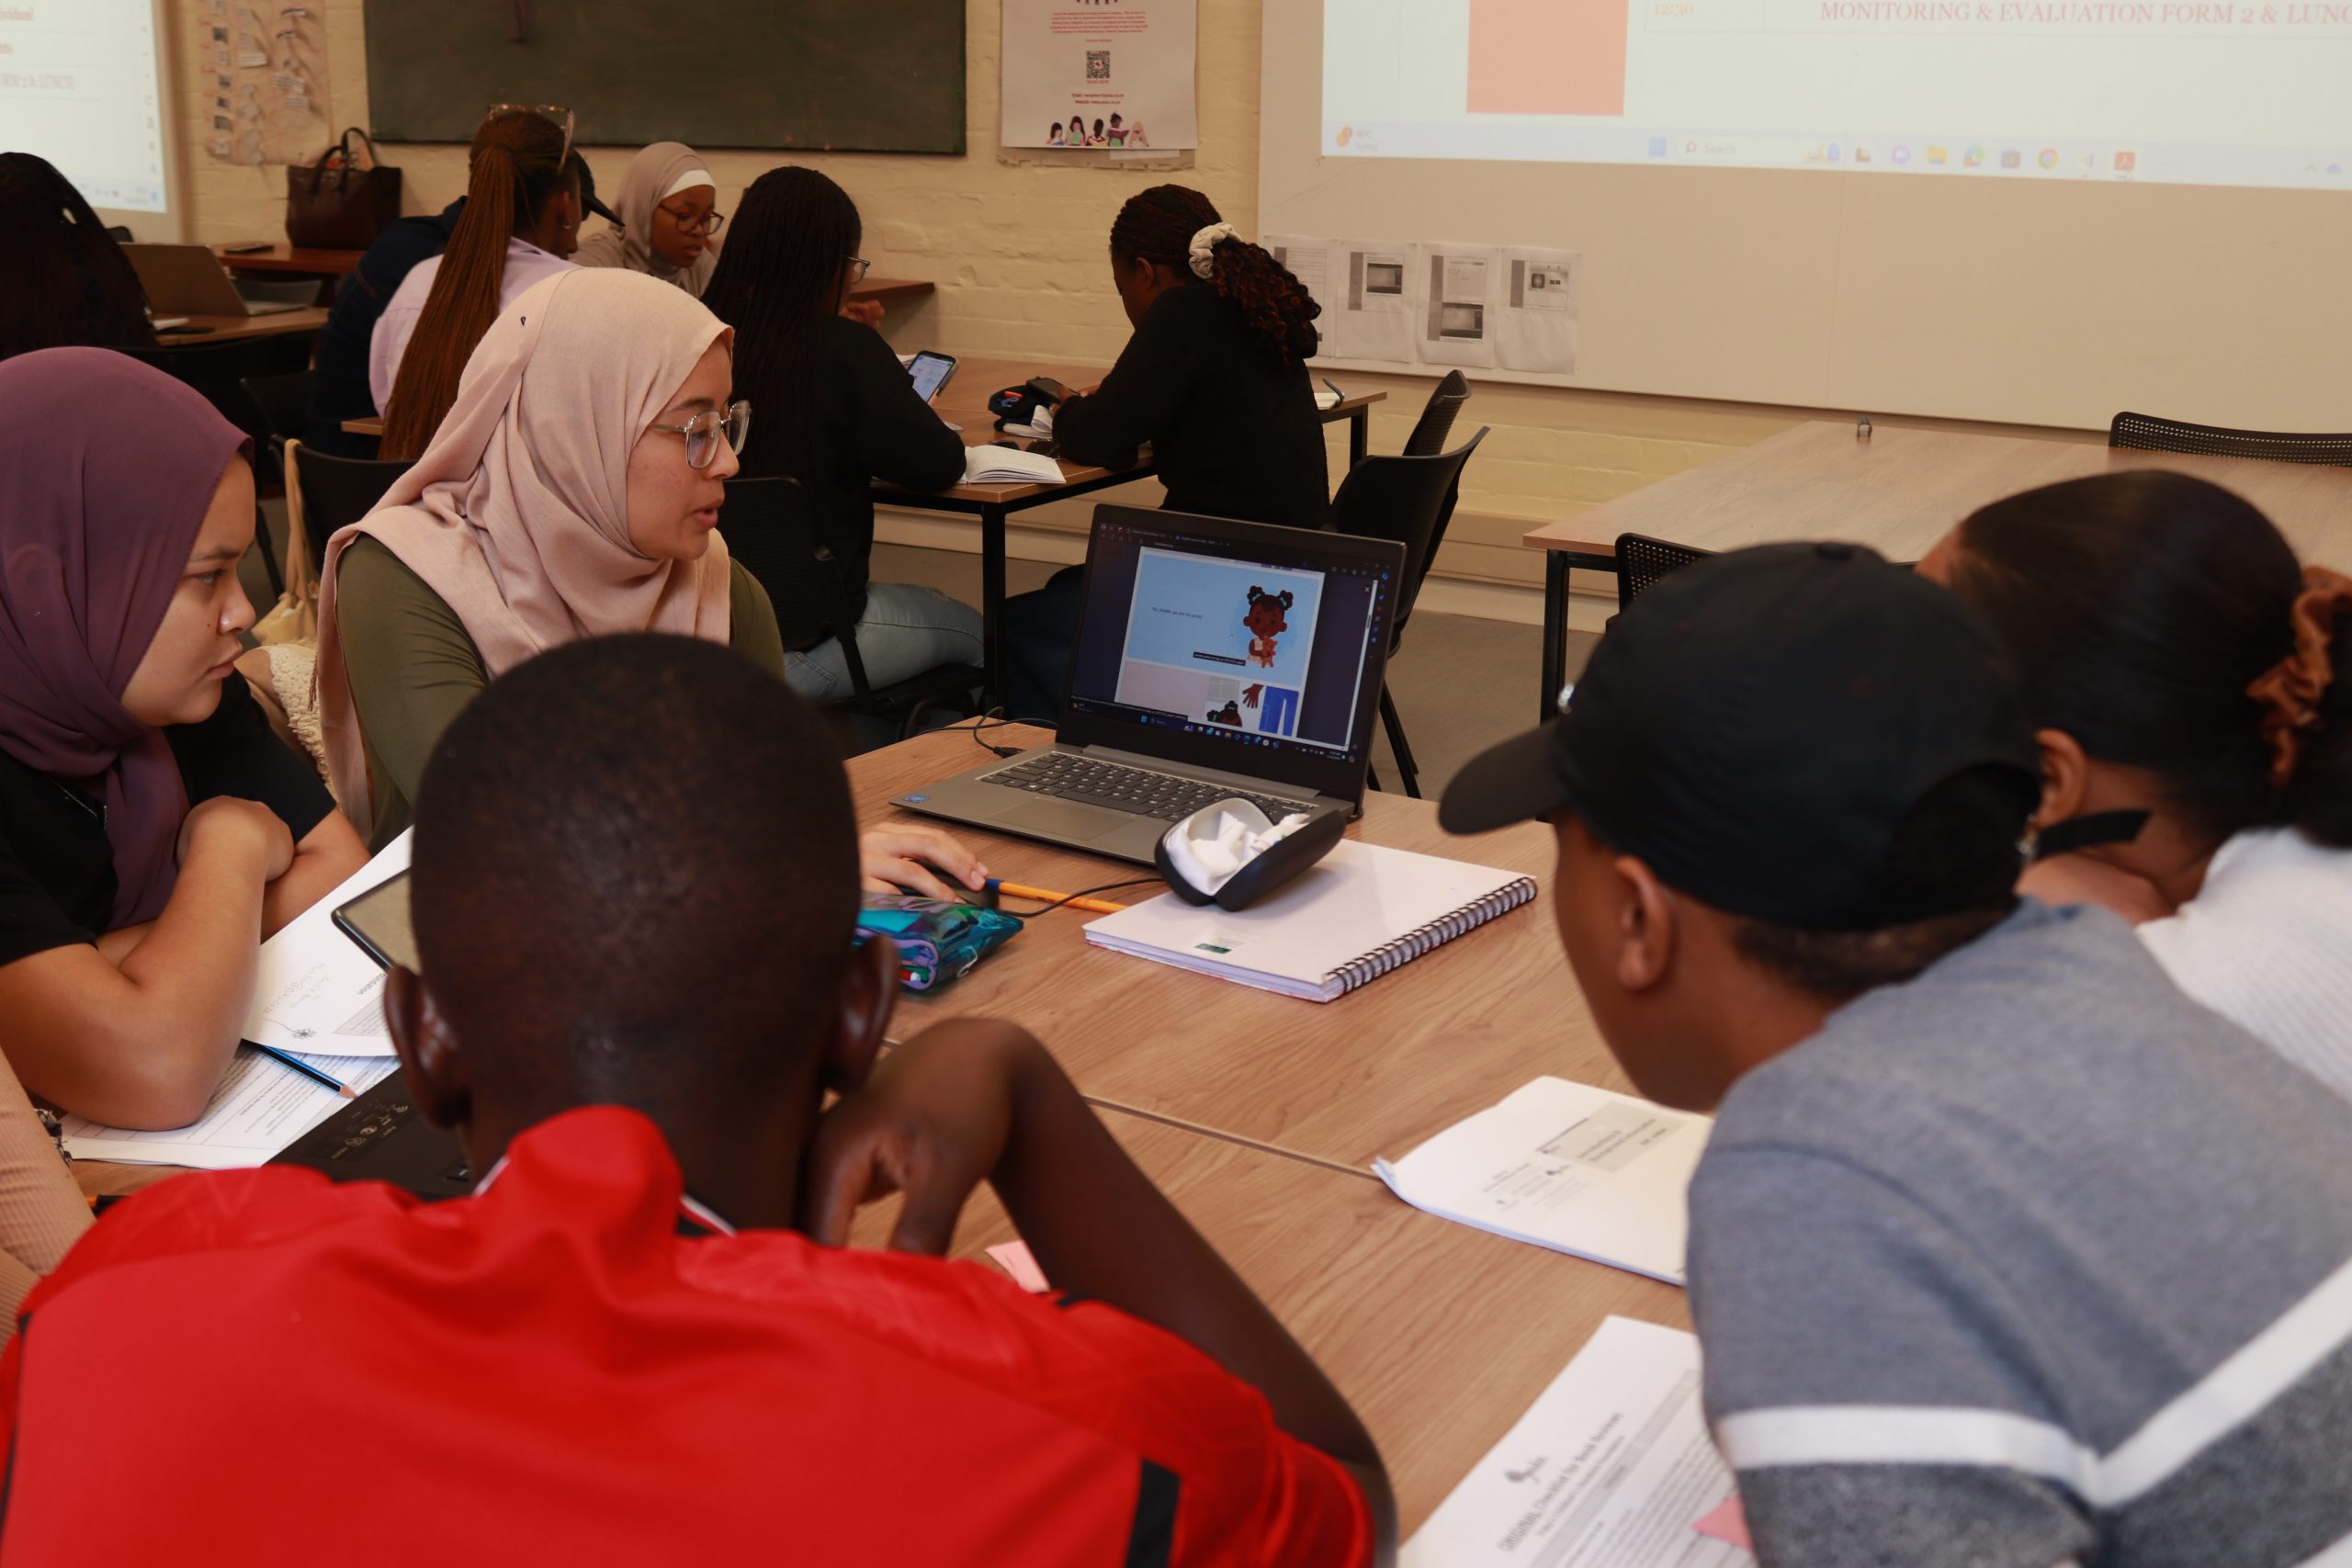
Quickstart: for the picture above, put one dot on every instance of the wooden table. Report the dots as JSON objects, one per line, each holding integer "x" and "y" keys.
{"x": 304, "y": 260}
{"x": 1899, "y": 493}
{"x": 1375, "y": 1073}
{"x": 1440, "y": 1336}
{"x": 236, "y": 328}
{"x": 963, "y": 400}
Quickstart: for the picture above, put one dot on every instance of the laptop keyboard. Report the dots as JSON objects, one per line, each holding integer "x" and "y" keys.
{"x": 1165, "y": 797}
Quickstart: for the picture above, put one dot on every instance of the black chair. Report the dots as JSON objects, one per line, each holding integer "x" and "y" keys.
{"x": 283, "y": 401}
{"x": 2146, "y": 432}
{"x": 1437, "y": 416}
{"x": 1642, "y": 561}
{"x": 1409, "y": 500}
{"x": 771, "y": 527}
{"x": 220, "y": 370}
{"x": 337, "y": 491}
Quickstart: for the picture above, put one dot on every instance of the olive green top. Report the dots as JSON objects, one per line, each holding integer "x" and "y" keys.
{"x": 413, "y": 667}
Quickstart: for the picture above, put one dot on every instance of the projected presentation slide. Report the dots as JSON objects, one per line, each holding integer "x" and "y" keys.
{"x": 1221, "y": 642}
{"x": 2183, "y": 92}
{"x": 78, "y": 86}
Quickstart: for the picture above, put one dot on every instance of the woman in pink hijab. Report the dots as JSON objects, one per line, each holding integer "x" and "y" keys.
{"x": 153, "y": 828}
{"x": 573, "y": 490}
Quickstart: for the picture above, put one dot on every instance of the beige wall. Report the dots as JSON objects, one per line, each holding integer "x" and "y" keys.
{"x": 1018, "y": 254}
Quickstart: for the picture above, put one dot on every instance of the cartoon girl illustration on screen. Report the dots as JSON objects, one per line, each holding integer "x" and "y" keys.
{"x": 1267, "y": 619}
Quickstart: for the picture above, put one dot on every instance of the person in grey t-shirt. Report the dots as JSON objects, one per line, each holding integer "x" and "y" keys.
{"x": 2003, "y": 1252}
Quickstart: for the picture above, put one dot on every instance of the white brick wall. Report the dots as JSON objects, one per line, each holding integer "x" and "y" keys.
{"x": 1019, "y": 255}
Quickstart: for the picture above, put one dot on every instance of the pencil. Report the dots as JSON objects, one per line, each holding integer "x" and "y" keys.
{"x": 307, "y": 1071}
{"x": 1047, "y": 895}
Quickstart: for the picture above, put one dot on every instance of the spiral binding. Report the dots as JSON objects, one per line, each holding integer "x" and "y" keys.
{"x": 1437, "y": 933}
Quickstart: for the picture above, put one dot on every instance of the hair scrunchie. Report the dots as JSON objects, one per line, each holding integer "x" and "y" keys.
{"x": 2289, "y": 692}
{"x": 1204, "y": 250}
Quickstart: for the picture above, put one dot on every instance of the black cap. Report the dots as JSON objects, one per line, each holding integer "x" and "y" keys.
{"x": 578, "y": 165}
{"x": 1758, "y": 728}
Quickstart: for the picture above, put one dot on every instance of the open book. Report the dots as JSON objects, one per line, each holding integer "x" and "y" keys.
{"x": 1007, "y": 466}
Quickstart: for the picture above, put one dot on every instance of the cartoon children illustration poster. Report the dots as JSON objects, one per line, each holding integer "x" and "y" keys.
{"x": 1099, "y": 71}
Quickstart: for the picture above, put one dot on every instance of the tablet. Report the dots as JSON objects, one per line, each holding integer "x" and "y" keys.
{"x": 377, "y": 921}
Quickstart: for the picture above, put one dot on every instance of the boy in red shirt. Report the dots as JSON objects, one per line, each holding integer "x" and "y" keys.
{"x": 635, "y": 881}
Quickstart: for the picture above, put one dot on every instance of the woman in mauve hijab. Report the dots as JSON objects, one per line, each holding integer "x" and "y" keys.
{"x": 153, "y": 828}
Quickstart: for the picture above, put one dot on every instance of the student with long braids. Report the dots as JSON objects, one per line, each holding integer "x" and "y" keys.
{"x": 1214, "y": 378}
{"x": 2192, "y": 684}
{"x": 521, "y": 220}
{"x": 68, "y": 284}
{"x": 846, "y": 415}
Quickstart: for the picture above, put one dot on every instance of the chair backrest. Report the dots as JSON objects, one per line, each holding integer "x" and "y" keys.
{"x": 771, "y": 527}
{"x": 2146, "y": 432}
{"x": 1437, "y": 416}
{"x": 284, "y": 400}
{"x": 338, "y": 491}
{"x": 1642, "y": 561}
{"x": 1408, "y": 500}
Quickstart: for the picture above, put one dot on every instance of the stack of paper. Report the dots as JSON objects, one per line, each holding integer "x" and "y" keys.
{"x": 1009, "y": 466}
{"x": 1565, "y": 1166}
{"x": 1610, "y": 1468}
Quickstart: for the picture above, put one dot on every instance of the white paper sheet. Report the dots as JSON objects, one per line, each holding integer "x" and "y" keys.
{"x": 1366, "y": 289}
{"x": 1610, "y": 1468}
{"x": 258, "y": 1108}
{"x": 317, "y": 991}
{"x": 1537, "y": 322}
{"x": 1567, "y": 1166}
{"x": 1457, "y": 320}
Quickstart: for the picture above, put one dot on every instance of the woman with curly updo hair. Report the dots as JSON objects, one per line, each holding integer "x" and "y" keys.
{"x": 1214, "y": 378}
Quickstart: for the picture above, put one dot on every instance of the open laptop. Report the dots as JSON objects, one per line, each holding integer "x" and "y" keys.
{"x": 380, "y": 1136}
{"x": 188, "y": 280}
{"x": 1214, "y": 658}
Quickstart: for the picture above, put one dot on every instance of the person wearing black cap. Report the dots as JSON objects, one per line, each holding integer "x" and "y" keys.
{"x": 2002, "y": 1252}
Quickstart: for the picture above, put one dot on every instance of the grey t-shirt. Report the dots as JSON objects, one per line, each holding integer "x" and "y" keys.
{"x": 2031, "y": 1260}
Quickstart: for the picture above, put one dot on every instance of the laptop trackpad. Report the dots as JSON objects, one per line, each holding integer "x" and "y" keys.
{"x": 1062, "y": 818}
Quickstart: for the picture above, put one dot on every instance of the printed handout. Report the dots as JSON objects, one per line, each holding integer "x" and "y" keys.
{"x": 316, "y": 991}
{"x": 1514, "y": 308}
{"x": 1457, "y": 316}
{"x": 1535, "y": 328}
{"x": 1612, "y": 1467}
{"x": 260, "y": 1106}
{"x": 1365, "y": 287}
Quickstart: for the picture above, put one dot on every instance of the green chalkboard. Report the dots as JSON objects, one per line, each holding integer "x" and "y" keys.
{"x": 847, "y": 75}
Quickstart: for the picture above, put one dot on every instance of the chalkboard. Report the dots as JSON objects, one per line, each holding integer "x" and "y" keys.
{"x": 836, "y": 75}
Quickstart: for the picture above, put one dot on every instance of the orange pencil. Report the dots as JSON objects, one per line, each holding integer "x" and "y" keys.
{"x": 1047, "y": 895}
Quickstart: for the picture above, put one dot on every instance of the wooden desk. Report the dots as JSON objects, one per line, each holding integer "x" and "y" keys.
{"x": 1898, "y": 492}
{"x": 963, "y": 401}
{"x": 236, "y": 328}
{"x": 1373, "y": 1073}
{"x": 1440, "y": 1336}
{"x": 282, "y": 257}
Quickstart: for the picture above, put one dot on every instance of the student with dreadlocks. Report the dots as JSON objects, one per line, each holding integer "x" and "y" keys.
{"x": 69, "y": 285}
{"x": 844, "y": 414}
{"x": 521, "y": 220}
{"x": 1214, "y": 378}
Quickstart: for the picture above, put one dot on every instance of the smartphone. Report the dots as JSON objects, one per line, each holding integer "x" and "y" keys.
{"x": 930, "y": 371}
{"x": 377, "y": 921}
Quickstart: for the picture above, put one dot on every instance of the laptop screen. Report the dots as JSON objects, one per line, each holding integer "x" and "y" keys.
{"x": 1238, "y": 645}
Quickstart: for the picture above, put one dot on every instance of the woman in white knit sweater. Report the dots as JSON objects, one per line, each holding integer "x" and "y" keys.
{"x": 2193, "y": 685}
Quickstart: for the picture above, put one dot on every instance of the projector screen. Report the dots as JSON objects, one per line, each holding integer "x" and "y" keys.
{"x": 2184, "y": 92}
{"x": 1672, "y": 159}
{"x": 82, "y": 84}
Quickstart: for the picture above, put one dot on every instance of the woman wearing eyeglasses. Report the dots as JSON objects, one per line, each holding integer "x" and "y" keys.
{"x": 669, "y": 222}
{"x": 854, "y": 417}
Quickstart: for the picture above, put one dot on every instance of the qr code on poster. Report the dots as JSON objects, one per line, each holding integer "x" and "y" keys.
{"x": 1098, "y": 65}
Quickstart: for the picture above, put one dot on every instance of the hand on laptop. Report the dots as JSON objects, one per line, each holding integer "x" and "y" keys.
{"x": 902, "y": 855}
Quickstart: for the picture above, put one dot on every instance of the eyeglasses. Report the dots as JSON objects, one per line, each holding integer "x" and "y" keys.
{"x": 555, "y": 113}
{"x": 860, "y": 267}
{"x": 689, "y": 224}
{"x": 703, "y": 431}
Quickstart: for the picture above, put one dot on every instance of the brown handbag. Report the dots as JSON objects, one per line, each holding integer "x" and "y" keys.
{"x": 335, "y": 204}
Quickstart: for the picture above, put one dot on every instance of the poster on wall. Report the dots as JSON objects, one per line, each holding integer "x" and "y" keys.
{"x": 1116, "y": 75}
{"x": 262, "y": 76}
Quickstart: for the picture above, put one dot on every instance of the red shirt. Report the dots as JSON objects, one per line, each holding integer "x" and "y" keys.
{"x": 261, "y": 1367}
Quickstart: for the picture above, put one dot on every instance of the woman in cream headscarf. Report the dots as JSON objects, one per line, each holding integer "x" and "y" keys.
{"x": 573, "y": 490}
{"x": 668, "y": 224}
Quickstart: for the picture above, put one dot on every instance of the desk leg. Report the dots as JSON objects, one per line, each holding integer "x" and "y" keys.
{"x": 1555, "y": 634}
{"x": 992, "y": 547}
{"x": 1358, "y": 436}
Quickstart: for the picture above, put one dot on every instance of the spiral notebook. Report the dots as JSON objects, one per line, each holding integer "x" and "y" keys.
{"x": 1359, "y": 913}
